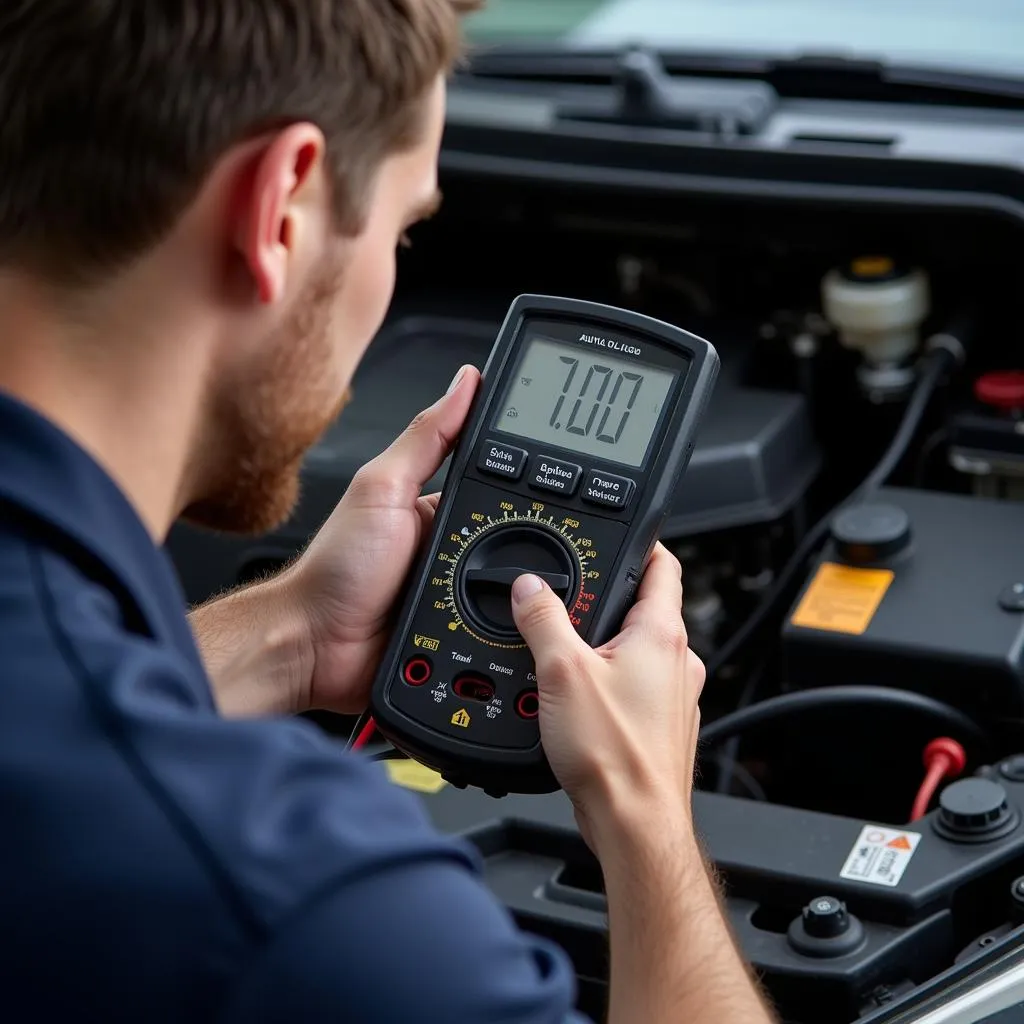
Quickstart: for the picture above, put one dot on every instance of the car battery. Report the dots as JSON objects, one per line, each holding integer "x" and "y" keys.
{"x": 918, "y": 590}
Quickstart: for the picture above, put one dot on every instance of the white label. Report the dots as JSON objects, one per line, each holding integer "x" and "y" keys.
{"x": 606, "y": 496}
{"x": 880, "y": 855}
{"x": 499, "y": 467}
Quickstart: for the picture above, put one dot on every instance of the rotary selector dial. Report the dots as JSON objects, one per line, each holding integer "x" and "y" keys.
{"x": 496, "y": 558}
{"x": 485, "y": 557}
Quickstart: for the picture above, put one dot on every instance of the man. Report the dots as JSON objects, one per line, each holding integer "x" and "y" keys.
{"x": 199, "y": 208}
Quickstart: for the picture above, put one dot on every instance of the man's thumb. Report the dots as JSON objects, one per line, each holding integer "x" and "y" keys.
{"x": 541, "y": 617}
{"x": 418, "y": 452}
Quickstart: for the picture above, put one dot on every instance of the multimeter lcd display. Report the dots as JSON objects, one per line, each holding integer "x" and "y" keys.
{"x": 587, "y": 401}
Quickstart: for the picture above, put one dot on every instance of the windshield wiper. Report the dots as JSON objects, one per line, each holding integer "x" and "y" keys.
{"x": 639, "y": 91}
{"x": 650, "y": 96}
{"x": 810, "y": 76}
{"x": 878, "y": 79}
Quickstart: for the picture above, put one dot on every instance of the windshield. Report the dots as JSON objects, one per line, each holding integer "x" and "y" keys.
{"x": 980, "y": 35}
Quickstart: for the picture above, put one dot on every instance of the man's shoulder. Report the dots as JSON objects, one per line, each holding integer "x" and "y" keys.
{"x": 45, "y": 578}
{"x": 271, "y": 812}
{"x": 245, "y": 864}
{"x": 38, "y": 586}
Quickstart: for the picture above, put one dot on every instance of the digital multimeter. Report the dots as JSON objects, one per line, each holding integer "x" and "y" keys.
{"x": 581, "y": 428}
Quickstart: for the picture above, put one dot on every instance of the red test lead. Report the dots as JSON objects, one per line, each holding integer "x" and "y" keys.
{"x": 944, "y": 758}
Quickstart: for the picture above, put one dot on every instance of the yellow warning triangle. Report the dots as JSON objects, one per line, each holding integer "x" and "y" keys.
{"x": 899, "y": 843}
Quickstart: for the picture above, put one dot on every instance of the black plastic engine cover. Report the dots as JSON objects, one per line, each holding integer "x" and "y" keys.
{"x": 913, "y": 891}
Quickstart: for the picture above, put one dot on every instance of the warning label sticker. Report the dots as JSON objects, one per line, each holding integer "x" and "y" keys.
{"x": 842, "y": 599}
{"x": 880, "y": 855}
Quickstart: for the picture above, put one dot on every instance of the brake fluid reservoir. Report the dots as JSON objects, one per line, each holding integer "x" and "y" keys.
{"x": 877, "y": 308}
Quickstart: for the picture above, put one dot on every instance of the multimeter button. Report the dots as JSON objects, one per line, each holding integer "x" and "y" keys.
{"x": 548, "y": 474}
{"x": 608, "y": 490}
{"x": 502, "y": 460}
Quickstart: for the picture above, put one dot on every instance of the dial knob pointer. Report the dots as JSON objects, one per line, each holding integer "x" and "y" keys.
{"x": 557, "y": 581}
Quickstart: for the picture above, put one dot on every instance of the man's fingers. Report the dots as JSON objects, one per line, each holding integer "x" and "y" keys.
{"x": 418, "y": 452}
{"x": 541, "y": 617}
{"x": 426, "y": 507}
{"x": 659, "y": 601}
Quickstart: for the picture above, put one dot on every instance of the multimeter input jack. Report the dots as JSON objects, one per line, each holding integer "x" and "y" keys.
{"x": 417, "y": 671}
{"x": 472, "y": 687}
{"x": 528, "y": 704}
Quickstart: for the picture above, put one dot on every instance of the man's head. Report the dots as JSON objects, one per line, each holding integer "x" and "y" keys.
{"x": 264, "y": 157}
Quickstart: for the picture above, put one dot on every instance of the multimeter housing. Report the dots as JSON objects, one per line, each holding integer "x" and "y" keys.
{"x": 565, "y": 467}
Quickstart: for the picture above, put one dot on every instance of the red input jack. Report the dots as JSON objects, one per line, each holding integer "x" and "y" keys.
{"x": 417, "y": 671}
{"x": 528, "y": 704}
{"x": 944, "y": 759}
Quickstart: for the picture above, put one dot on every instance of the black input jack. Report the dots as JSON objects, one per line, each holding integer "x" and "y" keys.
{"x": 473, "y": 687}
{"x": 528, "y": 704}
{"x": 417, "y": 671}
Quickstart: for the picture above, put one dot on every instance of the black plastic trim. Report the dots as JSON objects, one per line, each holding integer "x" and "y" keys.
{"x": 925, "y": 164}
{"x": 803, "y": 192}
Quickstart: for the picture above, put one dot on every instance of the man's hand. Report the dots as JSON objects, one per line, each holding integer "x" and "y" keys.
{"x": 349, "y": 579}
{"x": 619, "y": 723}
{"x": 619, "y": 726}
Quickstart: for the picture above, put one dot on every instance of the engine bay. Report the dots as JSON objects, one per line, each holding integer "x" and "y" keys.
{"x": 879, "y": 628}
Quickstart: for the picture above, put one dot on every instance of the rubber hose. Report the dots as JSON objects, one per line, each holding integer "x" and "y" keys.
{"x": 787, "y": 705}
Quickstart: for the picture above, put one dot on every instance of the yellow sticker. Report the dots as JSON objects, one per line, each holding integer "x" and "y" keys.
{"x": 413, "y": 775}
{"x": 841, "y": 599}
{"x": 461, "y": 718}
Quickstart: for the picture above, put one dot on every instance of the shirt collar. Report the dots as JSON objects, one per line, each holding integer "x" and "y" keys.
{"x": 47, "y": 475}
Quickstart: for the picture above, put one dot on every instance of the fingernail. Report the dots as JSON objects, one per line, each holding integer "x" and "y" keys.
{"x": 526, "y": 586}
{"x": 455, "y": 380}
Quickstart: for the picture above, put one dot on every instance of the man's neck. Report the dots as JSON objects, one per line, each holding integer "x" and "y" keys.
{"x": 128, "y": 395}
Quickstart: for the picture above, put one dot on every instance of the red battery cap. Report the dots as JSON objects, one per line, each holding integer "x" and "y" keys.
{"x": 1003, "y": 390}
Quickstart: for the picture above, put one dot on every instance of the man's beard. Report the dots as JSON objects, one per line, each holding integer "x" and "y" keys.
{"x": 265, "y": 427}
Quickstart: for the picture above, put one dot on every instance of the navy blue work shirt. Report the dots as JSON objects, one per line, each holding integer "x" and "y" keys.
{"x": 161, "y": 863}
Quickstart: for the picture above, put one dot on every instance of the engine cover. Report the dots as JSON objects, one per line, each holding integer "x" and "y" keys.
{"x": 922, "y": 591}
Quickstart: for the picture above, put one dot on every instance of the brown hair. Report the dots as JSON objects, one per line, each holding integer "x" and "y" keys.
{"x": 113, "y": 112}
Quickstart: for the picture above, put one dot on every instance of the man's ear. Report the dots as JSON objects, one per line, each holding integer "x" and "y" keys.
{"x": 272, "y": 215}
